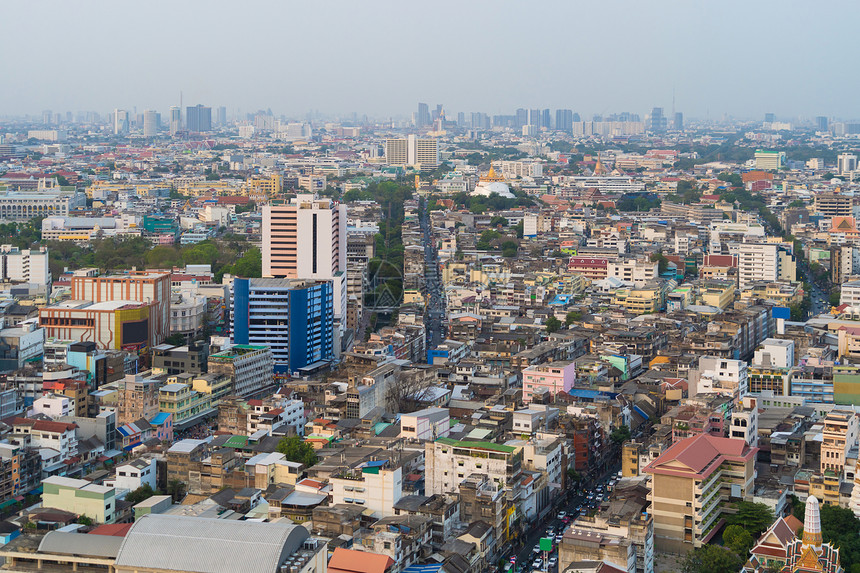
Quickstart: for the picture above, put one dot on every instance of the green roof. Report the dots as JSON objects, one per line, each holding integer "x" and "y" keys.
{"x": 236, "y": 442}
{"x": 493, "y": 447}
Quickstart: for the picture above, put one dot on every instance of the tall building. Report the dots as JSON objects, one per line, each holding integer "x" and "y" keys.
{"x": 769, "y": 118}
{"x": 24, "y": 266}
{"x": 693, "y": 483}
{"x": 175, "y": 120}
{"x": 535, "y": 117}
{"x": 461, "y": 119}
{"x": 412, "y": 151}
{"x": 222, "y": 116}
{"x": 678, "y": 121}
{"x": 397, "y": 151}
{"x": 846, "y": 163}
{"x": 656, "y": 122}
{"x": 120, "y": 122}
{"x": 833, "y": 204}
{"x": 306, "y": 239}
{"x": 764, "y": 262}
{"x": 129, "y": 311}
{"x": 546, "y": 119}
{"x": 564, "y": 120}
{"x": 198, "y": 118}
{"x": 522, "y": 117}
{"x": 151, "y": 123}
{"x": 294, "y": 318}
{"x": 423, "y": 117}
{"x": 821, "y": 123}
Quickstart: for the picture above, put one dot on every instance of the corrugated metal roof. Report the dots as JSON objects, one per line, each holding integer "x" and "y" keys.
{"x": 203, "y": 545}
{"x": 63, "y": 543}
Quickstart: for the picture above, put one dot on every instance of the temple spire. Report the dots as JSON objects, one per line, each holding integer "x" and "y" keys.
{"x": 812, "y": 524}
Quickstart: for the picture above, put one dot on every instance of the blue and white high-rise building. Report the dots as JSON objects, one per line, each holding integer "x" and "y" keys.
{"x": 292, "y": 317}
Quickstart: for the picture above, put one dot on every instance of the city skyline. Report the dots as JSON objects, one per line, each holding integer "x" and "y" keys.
{"x": 704, "y": 60}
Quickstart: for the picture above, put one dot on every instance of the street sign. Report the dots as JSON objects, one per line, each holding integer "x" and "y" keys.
{"x": 546, "y": 544}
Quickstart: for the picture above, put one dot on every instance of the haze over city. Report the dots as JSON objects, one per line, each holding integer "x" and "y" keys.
{"x": 730, "y": 57}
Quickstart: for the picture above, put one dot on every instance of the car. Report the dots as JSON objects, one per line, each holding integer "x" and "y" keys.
{"x": 536, "y": 549}
{"x": 561, "y": 515}
{"x": 537, "y": 563}
{"x": 566, "y": 519}
{"x": 553, "y": 561}
{"x": 550, "y": 532}
{"x": 558, "y": 538}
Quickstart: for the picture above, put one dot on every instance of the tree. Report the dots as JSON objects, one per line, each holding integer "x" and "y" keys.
{"x": 297, "y": 450}
{"x": 250, "y": 265}
{"x": 662, "y": 262}
{"x": 177, "y": 339}
{"x": 176, "y": 489}
{"x": 839, "y": 527}
{"x": 620, "y": 435}
{"x": 754, "y": 517}
{"x": 498, "y": 221}
{"x": 519, "y": 229}
{"x": 409, "y": 390}
{"x": 552, "y": 324}
{"x": 140, "y": 494}
{"x": 738, "y": 539}
{"x": 572, "y": 317}
{"x": 711, "y": 559}
{"x": 573, "y": 475}
{"x": 835, "y": 297}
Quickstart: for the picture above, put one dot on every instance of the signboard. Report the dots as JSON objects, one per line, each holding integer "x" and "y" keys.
{"x": 546, "y": 544}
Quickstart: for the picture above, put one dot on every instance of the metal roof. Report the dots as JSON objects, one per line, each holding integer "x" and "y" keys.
{"x": 81, "y": 544}
{"x": 203, "y": 545}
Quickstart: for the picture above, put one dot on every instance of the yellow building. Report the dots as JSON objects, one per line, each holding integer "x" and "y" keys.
{"x": 783, "y": 293}
{"x": 721, "y": 296}
{"x": 638, "y": 300}
{"x": 262, "y": 189}
{"x": 186, "y": 396}
{"x": 413, "y": 296}
{"x": 80, "y": 497}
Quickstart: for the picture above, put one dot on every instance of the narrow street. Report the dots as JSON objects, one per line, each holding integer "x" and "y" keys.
{"x": 434, "y": 313}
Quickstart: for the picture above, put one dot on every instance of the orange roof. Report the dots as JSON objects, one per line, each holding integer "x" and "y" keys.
{"x": 352, "y": 561}
{"x": 112, "y": 529}
{"x": 699, "y": 455}
{"x": 756, "y": 176}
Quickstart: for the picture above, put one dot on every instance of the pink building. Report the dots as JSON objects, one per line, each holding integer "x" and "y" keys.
{"x": 555, "y": 377}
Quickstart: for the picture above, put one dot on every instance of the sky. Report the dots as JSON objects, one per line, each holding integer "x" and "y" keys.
{"x": 736, "y": 58}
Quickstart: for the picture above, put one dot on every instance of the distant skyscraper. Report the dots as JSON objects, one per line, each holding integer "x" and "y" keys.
{"x": 522, "y": 117}
{"x": 657, "y": 122}
{"x": 198, "y": 118}
{"x": 461, "y": 119}
{"x": 47, "y": 117}
{"x": 480, "y": 120}
{"x": 534, "y": 117}
{"x": 821, "y": 123}
{"x": 222, "y": 116}
{"x": 769, "y": 118}
{"x": 678, "y": 121}
{"x": 423, "y": 117}
{"x": 545, "y": 119}
{"x": 120, "y": 121}
{"x": 151, "y": 123}
{"x": 564, "y": 120}
{"x": 438, "y": 113}
{"x": 175, "y": 120}
{"x": 576, "y": 117}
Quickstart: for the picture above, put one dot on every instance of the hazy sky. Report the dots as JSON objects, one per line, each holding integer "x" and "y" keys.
{"x": 737, "y": 57}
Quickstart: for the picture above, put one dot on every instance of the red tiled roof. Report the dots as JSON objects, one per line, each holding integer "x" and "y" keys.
{"x": 55, "y": 427}
{"x": 701, "y": 454}
{"x": 352, "y": 561}
{"x": 588, "y": 262}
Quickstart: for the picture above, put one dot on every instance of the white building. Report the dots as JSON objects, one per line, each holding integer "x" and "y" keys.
{"x": 850, "y": 293}
{"x": 427, "y": 424}
{"x": 448, "y": 462}
{"x": 846, "y": 163}
{"x": 132, "y": 475}
{"x": 412, "y": 151}
{"x": 53, "y": 406}
{"x": 151, "y": 123}
{"x": 632, "y": 271}
{"x": 745, "y": 421}
{"x": 375, "y": 485}
{"x": 187, "y": 311}
{"x": 775, "y": 352}
{"x": 722, "y": 376}
{"x": 764, "y": 262}
{"x": 519, "y": 168}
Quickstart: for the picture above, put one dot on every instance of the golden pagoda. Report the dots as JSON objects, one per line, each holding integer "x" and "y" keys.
{"x": 599, "y": 169}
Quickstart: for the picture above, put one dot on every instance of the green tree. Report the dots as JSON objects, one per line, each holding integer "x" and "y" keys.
{"x": 738, "y": 539}
{"x": 572, "y": 317}
{"x": 620, "y": 435}
{"x": 754, "y": 517}
{"x": 297, "y": 450}
{"x": 250, "y": 265}
{"x": 498, "y": 221}
{"x": 177, "y": 339}
{"x": 662, "y": 262}
{"x": 711, "y": 559}
{"x": 176, "y": 490}
{"x": 835, "y": 297}
{"x": 552, "y": 324}
{"x": 140, "y": 494}
{"x": 519, "y": 229}
{"x": 509, "y": 249}
{"x": 840, "y": 527}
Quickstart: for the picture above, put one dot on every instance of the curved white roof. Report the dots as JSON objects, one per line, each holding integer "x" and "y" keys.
{"x": 487, "y": 188}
